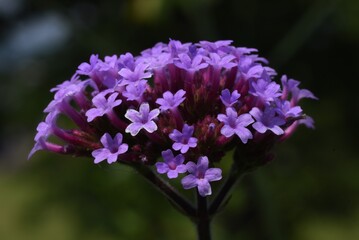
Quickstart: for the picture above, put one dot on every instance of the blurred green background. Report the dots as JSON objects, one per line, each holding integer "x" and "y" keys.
{"x": 311, "y": 190}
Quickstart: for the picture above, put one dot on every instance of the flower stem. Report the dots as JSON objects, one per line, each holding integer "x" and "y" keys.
{"x": 170, "y": 193}
{"x": 203, "y": 219}
{"x": 234, "y": 175}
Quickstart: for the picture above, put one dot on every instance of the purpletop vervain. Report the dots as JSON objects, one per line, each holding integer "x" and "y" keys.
{"x": 200, "y": 176}
{"x": 200, "y": 100}
{"x": 172, "y": 165}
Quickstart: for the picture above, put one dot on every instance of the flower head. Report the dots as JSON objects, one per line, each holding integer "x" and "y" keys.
{"x": 181, "y": 101}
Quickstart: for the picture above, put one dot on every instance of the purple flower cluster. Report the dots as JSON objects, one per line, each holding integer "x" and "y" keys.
{"x": 189, "y": 103}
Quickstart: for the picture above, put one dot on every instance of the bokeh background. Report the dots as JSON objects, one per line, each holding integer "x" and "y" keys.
{"x": 311, "y": 190}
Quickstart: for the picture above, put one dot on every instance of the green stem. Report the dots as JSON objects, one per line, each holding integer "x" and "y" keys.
{"x": 234, "y": 175}
{"x": 203, "y": 219}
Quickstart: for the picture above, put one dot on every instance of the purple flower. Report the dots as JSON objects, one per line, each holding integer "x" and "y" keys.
{"x": 67, "y": 89}
{"x": 176, "y": 47}
{"x": 234, "y": 124}
{"x": 170, "y": 101}
{"x": 215, "y": 46}
{"x": 44, "y": 129}
{"x": 191, "y": 65}
{"x": 221, "y": 62}
{"x": 134, "y": 91}
{"x": 171, "y": 165}
{"x": 291, "y": 86}
{"x": 88, "y": 68}
{"x": 112, "y": 148}
{"x": 183, "y": 140}
{"x": 200, "y": 176}
{"x": 142, "y": 119}
{"x": 229, "y": 99}
{"x": 265, "y": 90}
{"x": 102, "y": 105}
{"x": 267, "y": 120}
{"x": 285, "y": 109}
{"x": 139, "y": 73}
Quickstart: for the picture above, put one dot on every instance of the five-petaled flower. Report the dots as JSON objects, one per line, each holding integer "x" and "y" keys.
{"x": 234, "y": 124}
{"x": 142, "y": 119}
{"x": 172, "y": 165}
{"x": 102, "y": 105}
{"x": 112, "y": 148}
{"x": 183, "y": 140}
{"x": 200, "y": 176}
{"x": 267, "y": 120}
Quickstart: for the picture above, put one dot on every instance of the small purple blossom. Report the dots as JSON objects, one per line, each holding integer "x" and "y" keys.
{"x": 285, "y": 109}
{"x": 102, "y": 105}
{"x": 228, "y": 98}
{"x": 183, "y": 140}
{"x": 139, "y": 73}
{"x": 292, "y": 86}
{"x": 221, "y": 62}
{"x": 267, "y": 120}
{"x": 142, "y": 119}
{"x": 170, "y": 101}
{"x": 191, "y": 65}
{"x": 200, "y": 176}
{"x": 88, "y": 68}
{"x": 44, "y": 129}
{"x": 215, "y": 46}
{"x": 265, "y": 90}
{"x": 112, "y": 148}
{"x": 234, "y": 124}
{"x": 134, "y": 91}
{"x": 172, "y": 165}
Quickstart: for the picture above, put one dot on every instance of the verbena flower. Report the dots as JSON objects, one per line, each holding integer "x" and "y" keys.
{"x": 234, "y": 124}
{"x": 172, "y": 165}
{"x": 228, "y": 98}
{"x": 183, "y": 140}
{"x": 142, "y": 119}
{"x": 112, "y": 148}
{"x": 102, "y": 105}
{"x": 201, "y": 100}
{"x": 200, "y": 176}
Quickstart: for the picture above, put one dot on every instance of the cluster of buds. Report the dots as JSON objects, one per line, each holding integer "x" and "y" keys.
{"x": 189, "y": 103}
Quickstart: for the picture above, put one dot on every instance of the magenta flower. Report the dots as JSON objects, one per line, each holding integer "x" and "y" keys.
{"x": 200, "y": 176}
{"x": 172, "y": 165}
{"x": 112, "y": 148}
